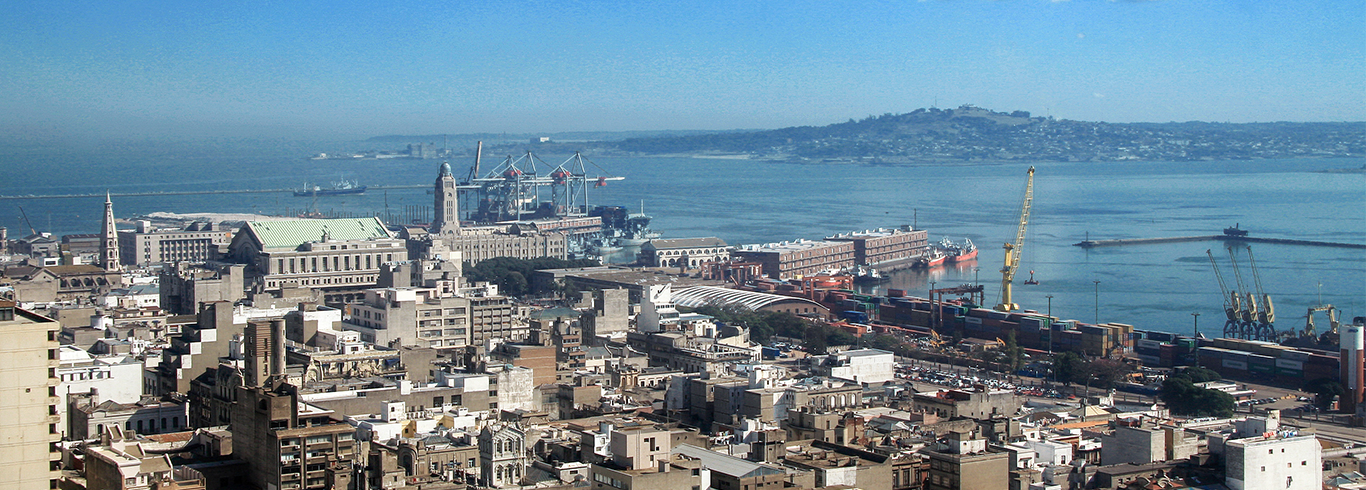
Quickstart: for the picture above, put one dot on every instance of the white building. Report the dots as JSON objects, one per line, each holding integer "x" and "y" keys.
{"x": 861, "y": 366}
{"x": 1051, "y": 453}
{"x": 118, "y": 378}
{"x": 657, "y": 310}
{"x": 1276, "y": 462}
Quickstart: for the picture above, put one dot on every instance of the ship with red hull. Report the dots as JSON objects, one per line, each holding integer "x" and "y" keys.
{"x": 958, "y": 252}
{"x": 933, "y": 258}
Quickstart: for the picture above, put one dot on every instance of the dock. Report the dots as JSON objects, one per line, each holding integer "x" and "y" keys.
{"x": 1088, "y": 244}
{"x": 191, "y": 193}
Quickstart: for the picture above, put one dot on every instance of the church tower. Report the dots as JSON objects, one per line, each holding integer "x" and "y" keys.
{"x": 109, "y": 238}
{"x": 446, "y": 219}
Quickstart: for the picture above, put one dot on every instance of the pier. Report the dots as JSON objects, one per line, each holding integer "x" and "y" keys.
{"x": 192, "y": 193}
{"x": 1088, "y": 244}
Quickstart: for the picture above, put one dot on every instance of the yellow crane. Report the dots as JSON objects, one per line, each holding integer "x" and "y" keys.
{"x": 1013, "y": 250}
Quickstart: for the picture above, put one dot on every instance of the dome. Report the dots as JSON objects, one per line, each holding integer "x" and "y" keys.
{"x": 445, "y": 169}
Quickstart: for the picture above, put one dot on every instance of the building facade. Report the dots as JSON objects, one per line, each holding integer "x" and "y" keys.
{"x": 799, "y": 258}
{"x": 29, "y": 457}
{"x": 196, "y": 242}
{"x": 874, "y": 247}
{"x": 340, "y": 257}
{"x": 684, "y": 252}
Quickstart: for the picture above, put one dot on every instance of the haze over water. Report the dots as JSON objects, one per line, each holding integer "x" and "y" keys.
{"x": 1149, "y": 286}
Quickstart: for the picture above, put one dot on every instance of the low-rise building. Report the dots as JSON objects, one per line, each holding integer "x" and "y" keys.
{"x": 196, "y": 242}
{"x": 859, "y": 365}
{"x": 798, "y": 258}
{"x": 688, "y": 253}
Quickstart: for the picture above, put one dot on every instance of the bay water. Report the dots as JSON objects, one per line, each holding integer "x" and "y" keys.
{"x": 1149, "y": 286}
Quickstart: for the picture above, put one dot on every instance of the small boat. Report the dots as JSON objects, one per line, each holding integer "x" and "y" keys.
{"x": 338, "y": 188}
{"x": 933, "y": 258}
{"x": 868, "y": 275}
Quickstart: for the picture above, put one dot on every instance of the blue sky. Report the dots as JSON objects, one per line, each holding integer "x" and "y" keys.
{"x": 364, "y": 68}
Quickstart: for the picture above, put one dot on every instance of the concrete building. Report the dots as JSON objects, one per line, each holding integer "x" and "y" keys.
{"x": 120, "y": 464}
{"x": 1351, "y": 362}
{"x": 503, "y": 456}
{"x": 340, "y": 257}
{"x": 688, "y": 253}
{"x": 872, "y": 247}
{"x": 679, "y": 471}
{"x": 115, "y": 378}
{"x": 89, "y": 415}
{"x": 446, "y": 203}
{"x": 184, "y": 286}
{"x": 977, "y": 403}
{"x": 196, "y": 242}
{"x": 859, "y": 365}
{"x": 965, "y": 463}
{"x": 835, "y": 464}
{"x": 1134, "y": 443}
{"x": 290, "y": 444}
{"x": 425, "y": 317}
{"x": 732, "y": 473}
{"x": 609, "y": 313}
{"x": 1275, "y": 462}
{"x": 798, "y": 258}
{"x": 29, "y": 457}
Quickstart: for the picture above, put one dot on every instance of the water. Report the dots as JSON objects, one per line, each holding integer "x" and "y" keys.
{"x": 1149, "y": 286}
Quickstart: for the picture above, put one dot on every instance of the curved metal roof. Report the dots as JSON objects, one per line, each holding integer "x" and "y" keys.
{"x": 698, "y": 296}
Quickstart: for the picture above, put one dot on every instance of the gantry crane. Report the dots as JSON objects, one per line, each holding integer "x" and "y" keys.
{"x": 1266, "y": 316}
{"x": 1231, "y": 300}
{"x": 1013, "y": 250}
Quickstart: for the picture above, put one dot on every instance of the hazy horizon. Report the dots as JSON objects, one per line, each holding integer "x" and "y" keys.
{"x": 348, "y": 71}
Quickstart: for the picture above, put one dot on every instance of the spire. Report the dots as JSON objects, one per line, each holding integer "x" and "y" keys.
{"x": 109, "y": 238}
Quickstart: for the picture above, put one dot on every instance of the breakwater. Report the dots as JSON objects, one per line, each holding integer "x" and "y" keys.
{"x": 1225, "y": 238}
{"x": 192, "y": 193}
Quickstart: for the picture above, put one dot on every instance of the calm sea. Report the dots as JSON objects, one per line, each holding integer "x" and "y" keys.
{"x": 1150, "y": 286}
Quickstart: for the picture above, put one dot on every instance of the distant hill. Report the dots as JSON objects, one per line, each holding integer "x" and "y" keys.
{"x": 963, "y": 134}
{"x": 975, "y": 134}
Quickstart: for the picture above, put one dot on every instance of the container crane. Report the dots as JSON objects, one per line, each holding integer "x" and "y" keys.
{"x": 1267, "y": 315}
{"x": 1013, "y": 250}
{"x": 1248, "y": 313}
{"x": 1231, "y": 301}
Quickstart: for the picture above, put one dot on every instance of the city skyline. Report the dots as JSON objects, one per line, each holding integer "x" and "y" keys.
{"x": 355, "y": 70}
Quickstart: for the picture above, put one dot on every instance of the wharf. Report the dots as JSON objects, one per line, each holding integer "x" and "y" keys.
{"x": 190, "y": 193}
{"x": 1227, "y": 238}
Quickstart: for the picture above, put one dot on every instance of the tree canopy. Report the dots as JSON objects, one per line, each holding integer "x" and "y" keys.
{"x": 1184, "y": 398}
{"x": 513, "y": 276}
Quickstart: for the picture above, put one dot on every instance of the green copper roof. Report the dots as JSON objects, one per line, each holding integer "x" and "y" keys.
{"x": 290, "y": 234}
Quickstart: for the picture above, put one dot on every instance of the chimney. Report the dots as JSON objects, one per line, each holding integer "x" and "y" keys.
{"x": 277, "y": 347}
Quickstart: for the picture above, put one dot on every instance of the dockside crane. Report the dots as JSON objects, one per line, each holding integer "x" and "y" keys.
{"x": 1267, "y": 315}
{"x": 1309, "y": 330}
{"x": 1248, "y": 313}
{"x": 1231, "y": 301}
{"x": 1013, "y": 250}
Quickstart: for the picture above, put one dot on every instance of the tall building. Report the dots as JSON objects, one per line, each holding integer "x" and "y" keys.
{"x": 290, "y": 444}
{"x": 1352, "y": 362}
{"x": 196, "y": 242}
{"x": 29, "y": 458}
{"x": 109, "y": 238}
{"x": 447, "y": 203}
{"x": 966, "y": 464}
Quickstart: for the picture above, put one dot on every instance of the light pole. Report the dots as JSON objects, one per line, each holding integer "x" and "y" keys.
{"x": 1097, "y": 301}
{"x": 934, "y": 310}
{"x": 1050, "y": 325}
{"x": 1196, "y": 316}
{"x": 976, "y": 269}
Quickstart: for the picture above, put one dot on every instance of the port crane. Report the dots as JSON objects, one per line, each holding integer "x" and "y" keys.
{"x": 1232, "y": 303}
{"x": 515, "y": 189}
{"x": 1266, "y": 316}
{"x": 1013, "y": 250}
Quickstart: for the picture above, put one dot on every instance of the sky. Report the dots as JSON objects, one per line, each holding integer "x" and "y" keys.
{"x": 356, "y": 69}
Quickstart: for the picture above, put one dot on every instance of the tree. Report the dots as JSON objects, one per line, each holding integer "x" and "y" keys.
{"x": 1324, "y": 390}
{"x": 1199, "y": 374}
{"x": 1014, "y": 354}
{"x": 1068, "y": 367}
{"x": 1184, "y": 398}
{"x": 1108, "y": 372}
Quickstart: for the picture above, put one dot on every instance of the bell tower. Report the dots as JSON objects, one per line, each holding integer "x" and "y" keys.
{"x": 109, "y": 239}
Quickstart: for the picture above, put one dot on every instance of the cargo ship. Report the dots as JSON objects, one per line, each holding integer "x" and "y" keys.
{"x": 338, "y": 188}
{"x": 958, "y": 252}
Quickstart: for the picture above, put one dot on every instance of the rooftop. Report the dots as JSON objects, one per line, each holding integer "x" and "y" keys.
{"x": 290, "y": 234}
{"x": 726, "y": 464}
{"x": 698, "y": 296}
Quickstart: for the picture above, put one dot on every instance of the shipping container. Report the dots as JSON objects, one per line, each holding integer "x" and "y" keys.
{"x": 1289, "y": 373}
{"x": 896, "y": 293}
{"x": 1232, "y": 364}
